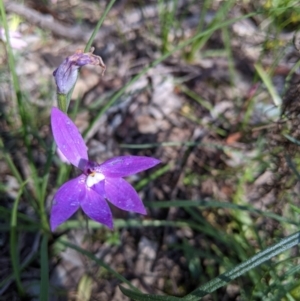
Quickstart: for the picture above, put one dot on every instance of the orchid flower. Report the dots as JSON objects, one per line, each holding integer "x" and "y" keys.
{"x": 97, "y": 183}
{"x": 15, "y": 38}
{"x": 66, "y": 73}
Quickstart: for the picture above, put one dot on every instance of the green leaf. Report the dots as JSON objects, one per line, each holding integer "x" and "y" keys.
{"x": 146, "y": 297}
{"x": 292, "y": 139}
{"x": 266, "y": 78}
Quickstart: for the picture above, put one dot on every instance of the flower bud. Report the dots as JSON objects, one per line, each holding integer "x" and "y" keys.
{"x": 66, "y": 73}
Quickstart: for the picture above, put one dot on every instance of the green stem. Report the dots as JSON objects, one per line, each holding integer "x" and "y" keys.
{"x": 10, "y": 163}
{"x": 13, "y": 243}
{"x": 62, "y": 102}
{"x": 91, "y": 39}
{"x": 47, "y": 170}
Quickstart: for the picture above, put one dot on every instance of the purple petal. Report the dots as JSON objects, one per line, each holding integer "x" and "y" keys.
{"x": 68, "y": 139}
{"x": 67, "y": 201}
{"x": 99, "y": 188}
{"x": 125, "y": 166}
{"x": 96, "y": 208}
{"x": 123, "y": 195}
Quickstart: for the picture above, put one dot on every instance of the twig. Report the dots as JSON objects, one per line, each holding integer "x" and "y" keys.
{"x": 130, "y": 21}
{"x": 47, "y": 22}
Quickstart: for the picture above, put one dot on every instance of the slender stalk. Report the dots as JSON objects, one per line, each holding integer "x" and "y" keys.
{"x": 47, "y": 170}
{"x": 99, "y": 24}
{"x": 14, "y": 244}
{"x": 63, "y": 102}
{"x": 10, "y": 163}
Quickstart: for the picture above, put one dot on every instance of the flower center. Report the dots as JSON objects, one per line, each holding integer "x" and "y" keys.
{"x": 94, "y": 178}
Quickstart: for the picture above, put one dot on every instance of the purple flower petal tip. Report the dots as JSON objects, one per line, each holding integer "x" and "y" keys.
{"x": 66, "y": 201}
{"x": 68, "y": 139}
{"x": 126, "y": 166}
{"x": 67, "y": 72}
{"x": 122, "y": 195}
{"x": 96, "y": 208}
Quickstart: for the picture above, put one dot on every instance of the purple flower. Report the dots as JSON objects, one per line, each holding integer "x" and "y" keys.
{"x": 97, "y": 182}
{"x": 66, "y": 74}
{"x": 15, "y": 38}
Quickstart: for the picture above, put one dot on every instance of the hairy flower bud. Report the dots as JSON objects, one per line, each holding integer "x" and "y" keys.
{"x": 66, "y": 73}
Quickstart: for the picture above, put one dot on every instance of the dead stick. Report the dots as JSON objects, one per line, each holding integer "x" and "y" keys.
{"x": 48, "y": 22}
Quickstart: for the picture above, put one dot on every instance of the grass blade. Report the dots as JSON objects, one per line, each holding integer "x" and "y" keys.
{"x": 13, "y": 242}
{"x": 269, "y": 85}
{"x": 101, "y": 20}
{"x": 146, "y": 297}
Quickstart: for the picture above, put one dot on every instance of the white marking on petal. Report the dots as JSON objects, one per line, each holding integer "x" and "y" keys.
{"x": 94, "y": 178}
